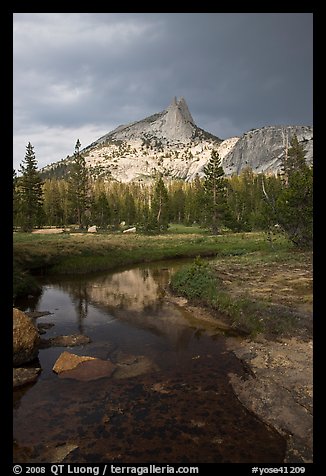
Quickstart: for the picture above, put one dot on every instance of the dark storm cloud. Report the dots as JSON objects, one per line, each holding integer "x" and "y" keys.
{"x": 84, "y": 74}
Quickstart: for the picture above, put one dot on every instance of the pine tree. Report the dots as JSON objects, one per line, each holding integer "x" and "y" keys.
{"x": 53, "y": 203}
{"x": 78, "y": 187}
{"x": 16, "y": 206}
{"x": 196, "y": 202}
{"x": 215, "y": 193}
{"x": 177, "y": 201}
{"x": 30, "y": 192}
{"x": 244, "y": 201}
{"x": 143, "y": 215}
{"x": 294, "y": 206}
{"x": 129, "y": 209}
{"x": 100, "y": 211}
{"x": 294, "y": 160}
{"x": 160, "y": 207}
{"x": 271, "y": 188}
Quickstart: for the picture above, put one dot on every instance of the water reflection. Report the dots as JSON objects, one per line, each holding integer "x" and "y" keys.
{"x": 183, "y": 396}
{"x": 136, "y": 290}
{"x": 80, "y": 300}
{"x": 134, "y": 298}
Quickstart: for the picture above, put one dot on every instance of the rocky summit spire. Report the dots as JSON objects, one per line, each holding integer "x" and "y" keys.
{"x": 173, "y": 125}
{"x": 182, "y": 105}
{"x": 170, "y": 143}
{"x": 177, "y": 122}
{"x": 179, "y": 108}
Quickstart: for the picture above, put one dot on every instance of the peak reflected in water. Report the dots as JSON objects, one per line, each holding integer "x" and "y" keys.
{"x": 171, "y": 382}
{"x": 136, "y": 289}
{"x": 135, "y": 297}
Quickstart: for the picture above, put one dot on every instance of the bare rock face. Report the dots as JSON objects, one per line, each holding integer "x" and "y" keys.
{"x": 263, "y": 149}
{"x": 169, "y": 142}
{"x": 25, "y": 338}
{"x": 175, "y": 123}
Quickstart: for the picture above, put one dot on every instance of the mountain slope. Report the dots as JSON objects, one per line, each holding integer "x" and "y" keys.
{"x": 174, "y": 125}
{"x": 170, "y": 143}
{"x": 263, "y": 149}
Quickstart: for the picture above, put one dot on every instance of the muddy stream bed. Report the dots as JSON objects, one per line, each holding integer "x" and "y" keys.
{"x": 169, "y": 399}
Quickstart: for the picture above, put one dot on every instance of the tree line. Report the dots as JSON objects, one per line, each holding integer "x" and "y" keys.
{"x": 240, "y": 203}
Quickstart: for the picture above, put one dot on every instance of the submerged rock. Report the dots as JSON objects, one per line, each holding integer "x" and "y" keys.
{"x": 43, "y": 327}
{"x": 59, "y": 453}
{"x": 133, "y": 365}
{"x": 36, "y": 314}
{"x": 82, "y": 367}
{"x": 65, "y": 341}
{"x": 90, "y": 370}
{"x": 68, "y": 361}
{"x": 25, "y": 338}
{"x": 24, "y": 376}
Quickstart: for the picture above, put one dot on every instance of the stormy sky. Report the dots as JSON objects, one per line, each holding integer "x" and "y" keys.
{"x": 80, "y": 75}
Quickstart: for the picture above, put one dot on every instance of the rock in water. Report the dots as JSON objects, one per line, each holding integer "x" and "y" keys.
{"x": 25, "y": 338}
{"x": 65, "y": 341}
{"x": 82, "y": 367}
{"x": 68, "y": 361}
{"x": 24, "y": 376}
{"x": 54, "y": 453}
{"x": 133, "y": 365}
{"x": 90, "y": 370}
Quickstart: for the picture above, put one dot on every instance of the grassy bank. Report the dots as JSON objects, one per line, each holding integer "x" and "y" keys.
{"x": 71, "y": 253}
{"x": 237, "y": 282}
{"x": 85, "y": 252}
{"x": 267, "y": 292}
{"x": 80, "y": 253}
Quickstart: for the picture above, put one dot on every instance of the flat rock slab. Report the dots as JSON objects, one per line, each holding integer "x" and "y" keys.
{"x": 24, "y": 376}
{"x": 133, "y": 365}
{"x": 36, "y": 314}
{"x": 43, "y": 327}
{"x": 47, "y": 231}
{"x": 281, "y": 389}
{"x": 90, "y": 370}
{"x": 68, "y": 361}
{"x": 59, "y": 453}
{"x": 101, "y": 350}
{"x": 65, "y": 341}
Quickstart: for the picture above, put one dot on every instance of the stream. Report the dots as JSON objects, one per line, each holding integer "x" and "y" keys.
{"x": 169, "y": 399}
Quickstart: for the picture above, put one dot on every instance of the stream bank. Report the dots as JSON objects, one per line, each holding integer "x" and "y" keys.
{"x": 278, "y": 387}
{"x": 169, "y": 397}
